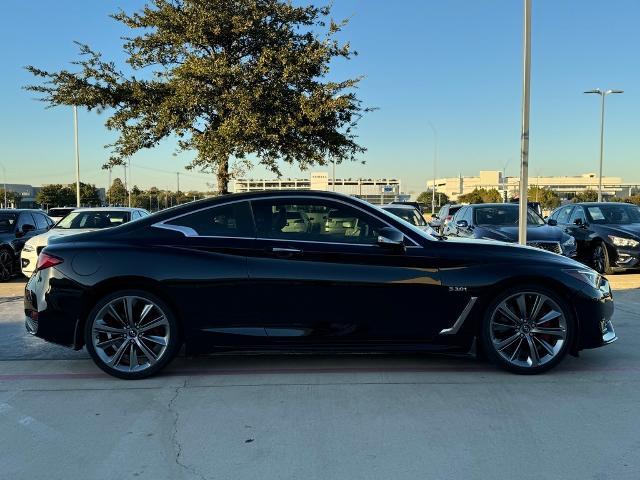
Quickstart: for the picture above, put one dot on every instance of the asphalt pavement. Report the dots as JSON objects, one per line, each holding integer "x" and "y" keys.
{"x": 320, "y": 417}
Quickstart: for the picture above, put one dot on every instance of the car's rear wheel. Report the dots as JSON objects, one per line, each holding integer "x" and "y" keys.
{"x": 131, "y": 334}
{"x": 527, "y": 330}
{"x": 600, "y": 259}
{"x": 7, "y": 263}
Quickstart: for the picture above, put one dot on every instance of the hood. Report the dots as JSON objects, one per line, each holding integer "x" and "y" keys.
{"x": 631, "y": 230}
{"x": 535, "y": 233}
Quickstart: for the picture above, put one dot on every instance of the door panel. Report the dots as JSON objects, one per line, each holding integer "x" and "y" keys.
{"x": 319, "y": 292}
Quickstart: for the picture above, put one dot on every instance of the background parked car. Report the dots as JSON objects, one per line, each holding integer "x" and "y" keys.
{"x": 410, "y": 213}
{"x": 499, "y": 221}
{"x": 16, "y": 227}
{"x": 607, "y": 234}
{"x": 58, "y": 213}
{"x": 440, "y": 220}
{"x": 78, "y": 221}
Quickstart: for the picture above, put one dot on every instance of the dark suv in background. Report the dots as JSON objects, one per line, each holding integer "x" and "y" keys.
{"x": 16, "y": 227}
{"x": 607, "y": 234}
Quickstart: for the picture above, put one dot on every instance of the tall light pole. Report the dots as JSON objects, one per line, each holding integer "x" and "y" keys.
{"x": 75, "y": 136}
{"x": 435, "y": 159}
{"x": 603, "y": 94}
{"x": 4, "y": 173}
{"x": 524, "y": 133}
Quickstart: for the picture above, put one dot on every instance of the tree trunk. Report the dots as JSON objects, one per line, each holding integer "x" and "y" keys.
{"x": 223, "y": 177}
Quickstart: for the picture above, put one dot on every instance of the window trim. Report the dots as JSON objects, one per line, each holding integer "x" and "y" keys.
{"x": 190, "y": 232}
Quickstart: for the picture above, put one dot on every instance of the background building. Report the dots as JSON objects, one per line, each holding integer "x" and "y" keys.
{"x": 565, "y": 186}
{"x": 376, "y": 191}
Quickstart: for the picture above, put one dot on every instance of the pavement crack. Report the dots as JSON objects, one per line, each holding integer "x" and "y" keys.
{"x": 177, "y": 446}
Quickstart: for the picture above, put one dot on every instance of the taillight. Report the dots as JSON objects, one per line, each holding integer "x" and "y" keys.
{"x": 46, "y": 261}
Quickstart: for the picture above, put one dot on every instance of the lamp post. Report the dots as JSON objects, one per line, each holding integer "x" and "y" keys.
{"x": 435, "y": 159}
{"x": 75, "y": 137}
{"x": 603, "y": 94}
{"x": 4, "y": 173}
{"x": 524, "y": 132}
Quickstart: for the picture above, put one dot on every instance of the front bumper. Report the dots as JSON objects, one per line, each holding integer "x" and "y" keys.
{"x": 28, "y": 262}
{"x": 594, "y": 309}
{"x": 626, "y": 258}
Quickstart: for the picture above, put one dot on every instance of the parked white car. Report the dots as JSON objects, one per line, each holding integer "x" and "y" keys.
{"x": 79, "y": 221}
{"x": 58, "y": 213}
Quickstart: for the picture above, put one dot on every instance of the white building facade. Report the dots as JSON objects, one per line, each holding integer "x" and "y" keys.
{"x": 564, "y": 186}
{"x": 377, "y": 191}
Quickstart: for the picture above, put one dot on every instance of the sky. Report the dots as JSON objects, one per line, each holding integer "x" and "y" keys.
{"x": 453, "y": 64}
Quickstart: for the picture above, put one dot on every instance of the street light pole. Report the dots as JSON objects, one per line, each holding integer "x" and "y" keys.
{"x": 524, "y": 133}
{"x": 603, "y": 94}
{"x": 435, "y": 159}
{"x": 4, "y": 174}
{"x": 75, "y": 136}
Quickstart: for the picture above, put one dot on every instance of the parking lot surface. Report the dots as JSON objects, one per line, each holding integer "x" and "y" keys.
{"x": 320, "y": 417}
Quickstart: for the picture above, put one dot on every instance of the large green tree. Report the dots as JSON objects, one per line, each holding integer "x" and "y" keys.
{"x": 548, "y": 198}
{"x": 56, "y": 195}
{"x": 117, "y": 194}
{"x": 235, "y": 81}
{"x": 481, "y": 195}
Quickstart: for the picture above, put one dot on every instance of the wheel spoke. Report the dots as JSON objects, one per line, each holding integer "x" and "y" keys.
{"x": 513, "y": 355}
{"x": 505, "y": 343}
{"x": 537, "y": 305}
{"x": 115, "y": 360}
{"x": 522, "y": 305}
{"x": 133, "y": 357}
{"x": 102, "y": 327}
{"x": 145, "y": 311}
{"x": 109, "y": 342}
{"x": 158, "y": 322}
{"x": 116, "y": 315}
{"x": 146, "y": 351}
{"x": 504, "y": 325}
{"x": 545, "y": 345}
{"x": 506, "y": 311}
{"x": 155, "y": 339}
{"x": 547, "y": 317}
{"x": 128, "y": 309}
{"x": 556, "y": 332}
{"x": 533, "y": 353}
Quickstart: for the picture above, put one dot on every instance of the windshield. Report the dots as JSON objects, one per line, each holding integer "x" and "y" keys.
{"x": 93, "y": 219}
{"x": 408, "y": 214}
{"x": 503, "y": 215}
{"x": 622, "y": 214}
{"x": 7, "y": 222}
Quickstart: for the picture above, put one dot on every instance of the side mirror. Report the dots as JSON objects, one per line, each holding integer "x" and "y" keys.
{"x": 434, "y": 216}
{"x": 462, "y": 224}
{"x": 552, "y": 222}
{"x": 578, "y": 222}
{"x": 27, "y": 227}
{"x": 391, "y": 238}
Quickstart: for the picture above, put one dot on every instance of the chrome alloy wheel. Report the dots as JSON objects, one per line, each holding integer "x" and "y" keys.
{"x": 130, "y": 334}
{"x": 528, "y": 329}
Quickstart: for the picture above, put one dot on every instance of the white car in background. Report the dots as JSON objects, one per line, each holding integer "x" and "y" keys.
{"x": 80, "y": 220}
{"x": 409, "y": 213}
{"x": 58, "y": 213}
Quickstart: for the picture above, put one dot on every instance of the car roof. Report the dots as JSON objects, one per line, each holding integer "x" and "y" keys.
{"x": 20, "y": 210}
{"x": 596, "y": 204}
{"x": 106, "y": 209}
{"x": 399, "y": 205}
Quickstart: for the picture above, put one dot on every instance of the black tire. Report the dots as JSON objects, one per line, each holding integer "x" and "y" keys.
{"x": 600, "y": 258}
{"x": 490, "y": 348}
{"x": 171, "y": 328}
{"x": 7, "y": 264}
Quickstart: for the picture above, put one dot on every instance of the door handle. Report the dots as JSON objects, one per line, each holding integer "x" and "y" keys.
{"x": 285, "y": 251}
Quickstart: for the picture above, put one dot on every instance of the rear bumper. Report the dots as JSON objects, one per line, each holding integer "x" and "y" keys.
{"x": 595, "y": 308}
{"x": 52, "y": 313}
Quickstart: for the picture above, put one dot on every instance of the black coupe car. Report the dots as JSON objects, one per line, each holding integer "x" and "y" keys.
{"x": 499, "y": 221}
{"x": 234, "y": 273}
{"x": 607, "y": 234}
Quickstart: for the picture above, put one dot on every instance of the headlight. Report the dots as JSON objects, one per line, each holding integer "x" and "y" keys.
{"x": 623, "y": 242}
{"x": 570, "y": 242}
{"x": 28, "y": 248}
{"x": 588, "y": 276}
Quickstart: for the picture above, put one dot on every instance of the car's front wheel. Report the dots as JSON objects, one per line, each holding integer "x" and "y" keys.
{"x": 131, "y": 334}
{"x": 7, "y": 263}
{"x": 600, "y": 259}
{"x": 527, "y": 330}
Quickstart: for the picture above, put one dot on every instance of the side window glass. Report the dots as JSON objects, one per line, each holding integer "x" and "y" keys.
{"x": 314, "y": 220}
{"x": 468, "y": 214}
{"x": 578, "y": 213}
{"x": 458, "y": 215}
{"x": 41, "y": 223}
{"x": 25, "y": 219}
{"x": 233, "y": 220}
{"x": 563, "y": 215}
{"x": 135, "y": 215}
